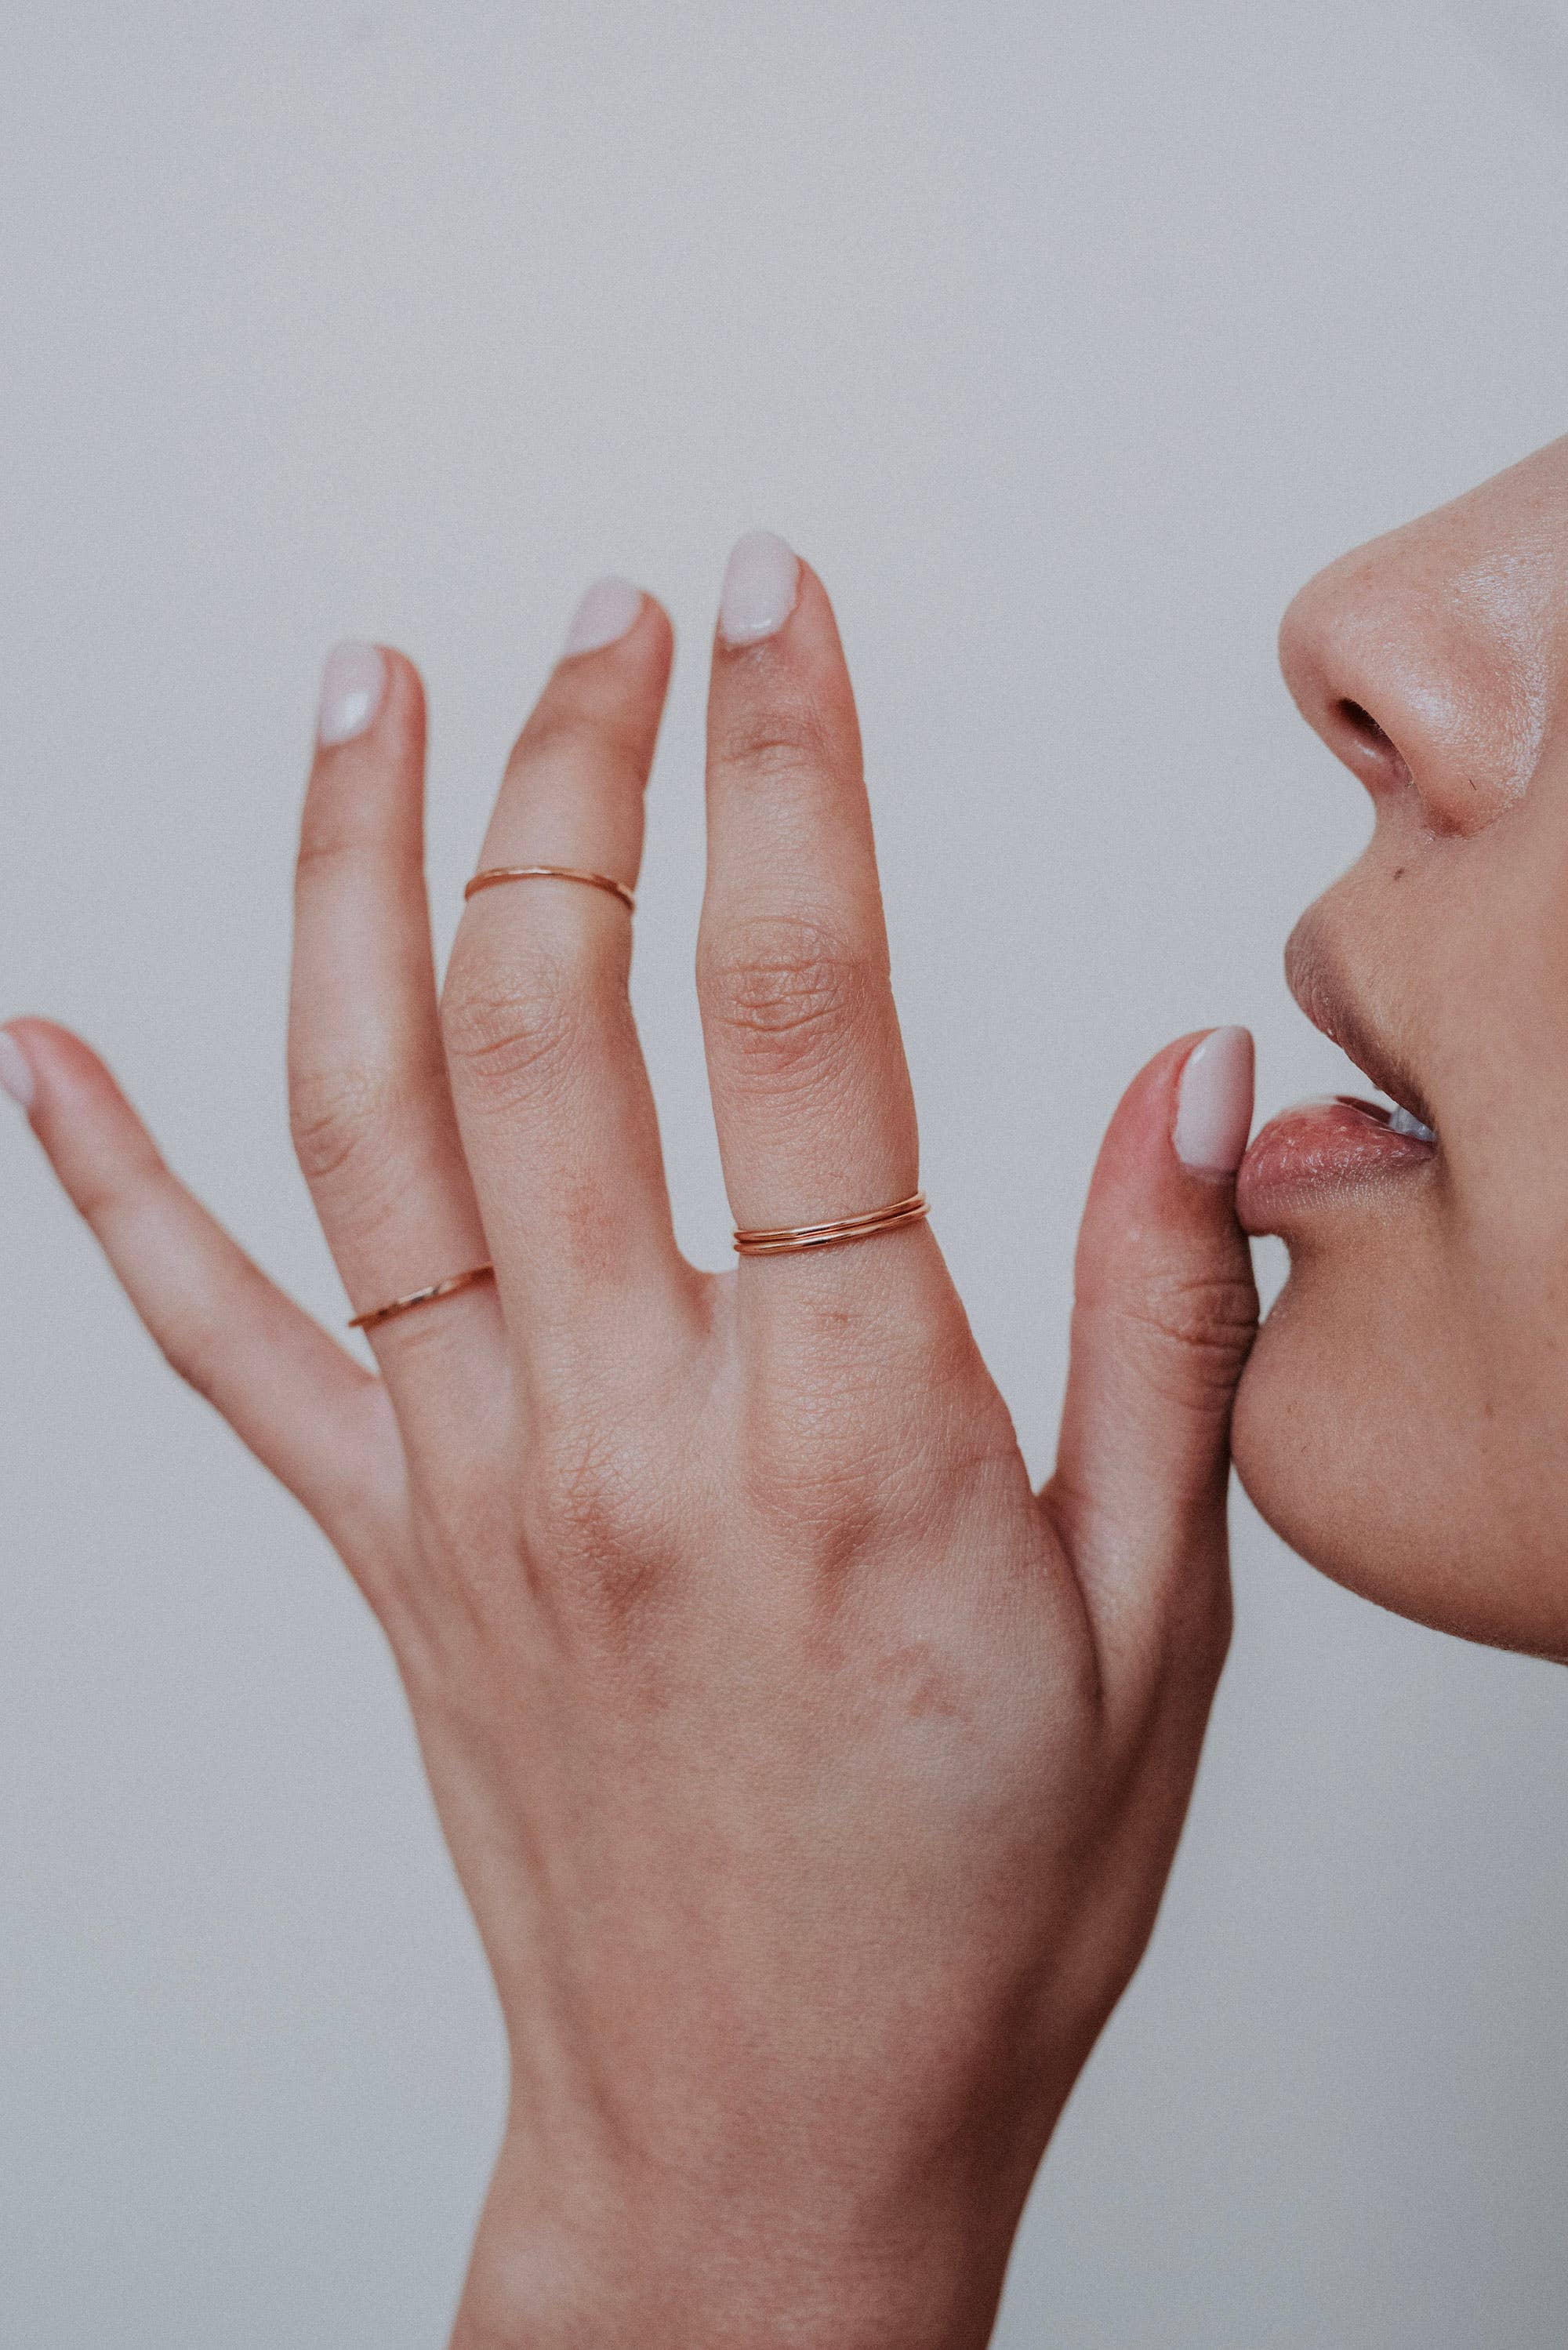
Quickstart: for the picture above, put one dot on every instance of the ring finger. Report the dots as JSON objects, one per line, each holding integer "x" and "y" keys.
{"x": 372, "y": 1109}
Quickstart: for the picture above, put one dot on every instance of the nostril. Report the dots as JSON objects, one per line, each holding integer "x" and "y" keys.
{"x": 1364, "y": 724}
{"x": 1377, "y": 750}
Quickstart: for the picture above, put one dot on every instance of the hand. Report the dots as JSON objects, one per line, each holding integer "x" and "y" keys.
{"x": 813, "y": 1782}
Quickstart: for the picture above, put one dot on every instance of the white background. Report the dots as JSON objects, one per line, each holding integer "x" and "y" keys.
{"x": 1066, "y": 340}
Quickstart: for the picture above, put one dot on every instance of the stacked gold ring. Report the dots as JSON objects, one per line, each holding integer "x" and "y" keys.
{"x": 780, "y": 1240}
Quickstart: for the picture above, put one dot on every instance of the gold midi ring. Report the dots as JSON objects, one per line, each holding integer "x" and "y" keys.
{"x": 780, "y": 1238}
{"x": 493, "y": 874}
{"x": 447, "y": 1288}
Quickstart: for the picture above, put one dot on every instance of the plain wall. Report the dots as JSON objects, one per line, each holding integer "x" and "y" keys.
{"x": 1066, "y": 340}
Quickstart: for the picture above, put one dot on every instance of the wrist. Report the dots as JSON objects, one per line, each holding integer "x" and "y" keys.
{"x": 557, "y": 2268}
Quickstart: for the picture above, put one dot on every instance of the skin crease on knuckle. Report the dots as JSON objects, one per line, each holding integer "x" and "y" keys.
{"x": 510, "y": 1024}
{"x": 339, "y": 1116}
{"x": 565, "y": 734}
{"x": 781, "y": 991}
{"x": 782, "y": 736}
{"x": 1180, "y": 1322}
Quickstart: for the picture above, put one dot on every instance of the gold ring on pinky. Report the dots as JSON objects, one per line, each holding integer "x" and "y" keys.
{"x": 493, "y": 875}
{"x": 447, "y": 1288}
{"x": 780, "y": 1240}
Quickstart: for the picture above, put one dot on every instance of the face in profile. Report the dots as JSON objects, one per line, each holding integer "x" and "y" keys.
{"x": 1404, "y": 1420}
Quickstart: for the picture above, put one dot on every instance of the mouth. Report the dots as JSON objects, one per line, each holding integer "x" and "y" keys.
{"x": 1320, "y": 1151}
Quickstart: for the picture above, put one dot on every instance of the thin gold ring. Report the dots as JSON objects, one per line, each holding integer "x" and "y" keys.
{"x": 427, "y": 1297}
{"x": 493, "y": 874}
{"x": 779, "y": 1240}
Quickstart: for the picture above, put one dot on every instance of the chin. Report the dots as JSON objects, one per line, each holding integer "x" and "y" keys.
{"x": 1360, "y": 1440}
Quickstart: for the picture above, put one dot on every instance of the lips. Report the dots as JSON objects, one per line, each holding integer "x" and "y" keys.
{"x": 1320, "y": 1150}
{"x": 1323, "y": 1151}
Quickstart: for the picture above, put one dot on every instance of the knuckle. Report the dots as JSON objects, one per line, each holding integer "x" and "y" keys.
{"x": 825, "y": 1511}
{"x": 1193, "y": 1328}
{"x": 1213, "y": 1314}
{"x": 197, "y": 1338}
{"x": 776, "y": 742}
{"x": 510, "y": 1029}
{"x": 192, "y": 1346}
{"x": 335, "y": 1115}
{"x": 341, "y": 826}
{"x": 782, "y": 989}
{"x": 555, "y": 729}
{"x": 591, "y": 1515}
{"x": 577, "y": 724}
{"x": 324, "y": 848}
{"x": 133, "y": 1182}
{"x": 836, "y": 1467}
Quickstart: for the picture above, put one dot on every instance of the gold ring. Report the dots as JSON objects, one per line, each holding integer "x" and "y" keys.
{"x": 493, "y": 874}
{"x": 778, "y": 1239}
{"x": 447, "y": 1288}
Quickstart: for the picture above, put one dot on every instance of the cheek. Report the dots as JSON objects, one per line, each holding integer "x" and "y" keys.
{"x": 1373, "y": 1434}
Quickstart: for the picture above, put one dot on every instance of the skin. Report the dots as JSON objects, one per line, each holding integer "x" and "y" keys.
{"x": 814, "y": 1781}
{"x": 1403, "y": 1421}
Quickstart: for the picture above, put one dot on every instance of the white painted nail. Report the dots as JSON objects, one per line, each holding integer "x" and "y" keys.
{"x": 1214, "y": 1103}
{"x": 761, "y": 584}
{"x": 603, "y": 617}
{"x": 16, "y": 1071}
{"x": 352, "y": 686}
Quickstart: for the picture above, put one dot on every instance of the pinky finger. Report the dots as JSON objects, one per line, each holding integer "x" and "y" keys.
{"x": 306, "y": 1410}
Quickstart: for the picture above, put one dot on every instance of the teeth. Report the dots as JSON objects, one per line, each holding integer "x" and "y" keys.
{"x": 1400, "y": 1121}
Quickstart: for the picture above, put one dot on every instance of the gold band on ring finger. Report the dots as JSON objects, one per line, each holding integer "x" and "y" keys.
{"x": 783, "y": 1240}
{"x": 375, "y": 1314}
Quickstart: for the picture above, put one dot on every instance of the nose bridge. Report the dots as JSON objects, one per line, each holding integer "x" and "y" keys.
{"x": 1426, "y": 659}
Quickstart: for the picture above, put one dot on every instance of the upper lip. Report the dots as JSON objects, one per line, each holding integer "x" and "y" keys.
{"x": 1317, "y": 977}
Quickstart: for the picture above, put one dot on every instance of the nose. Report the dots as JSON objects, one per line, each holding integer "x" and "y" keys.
{"x": 1428, "y": 660}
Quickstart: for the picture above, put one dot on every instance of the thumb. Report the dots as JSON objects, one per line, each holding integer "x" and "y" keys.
{"x": 1165, "y": 1310}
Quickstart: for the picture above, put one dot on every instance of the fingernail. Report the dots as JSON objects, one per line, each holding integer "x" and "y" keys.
{"x": 761, "y": 583}
{"x": 1214, "y": 1103}
{"x": 352, "y": 685}
{"x": 605, "y": 614}
{"x": 16, "y": 1071}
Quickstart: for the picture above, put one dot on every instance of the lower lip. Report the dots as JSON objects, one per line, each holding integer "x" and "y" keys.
{"x": 1307, "y": 1156}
